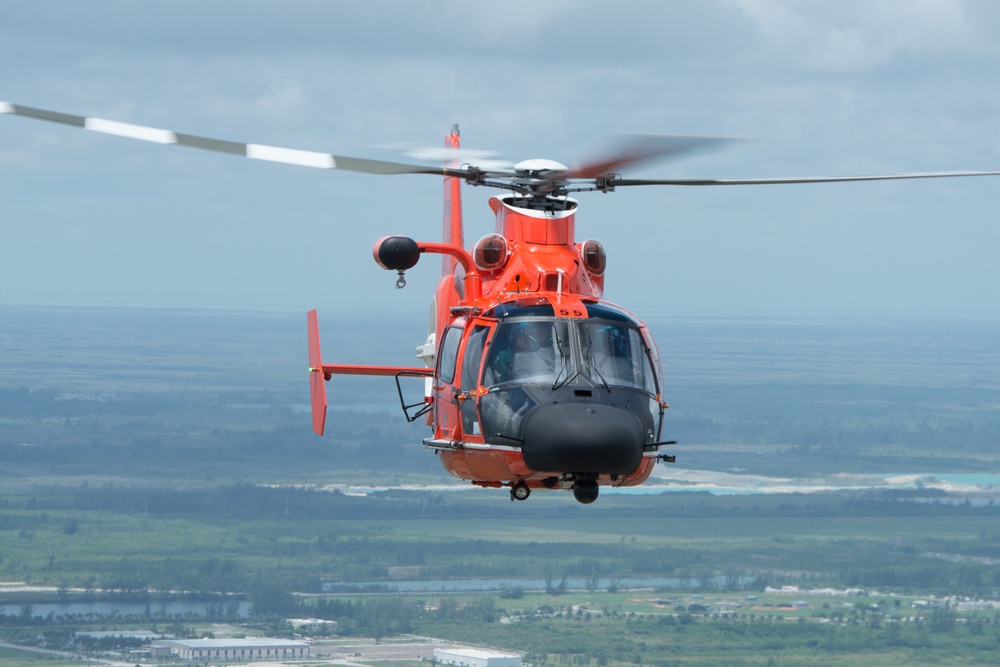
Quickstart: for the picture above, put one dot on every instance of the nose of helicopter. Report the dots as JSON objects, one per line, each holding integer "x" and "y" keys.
{"x": 582, "y": 437}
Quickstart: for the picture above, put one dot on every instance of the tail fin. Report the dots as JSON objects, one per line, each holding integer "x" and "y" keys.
{"x": 317, "y": 378}
{"x": 452, "y": 232}
{"x": 446, "y": 296}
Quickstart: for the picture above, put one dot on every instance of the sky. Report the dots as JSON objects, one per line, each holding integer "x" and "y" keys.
{"x": 810, "y": 88}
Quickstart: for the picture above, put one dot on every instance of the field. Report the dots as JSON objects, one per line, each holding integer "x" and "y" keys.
{"x": 133, "y": 539}
{"x": 16, "y": 657}
{"x": 144, "y": 453}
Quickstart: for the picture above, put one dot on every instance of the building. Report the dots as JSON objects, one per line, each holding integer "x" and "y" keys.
{"x": 471, "y": 657}
{"x": 224, "y": 650}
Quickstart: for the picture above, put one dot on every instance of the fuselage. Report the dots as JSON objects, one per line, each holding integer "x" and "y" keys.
{"x": 538, "y": 380}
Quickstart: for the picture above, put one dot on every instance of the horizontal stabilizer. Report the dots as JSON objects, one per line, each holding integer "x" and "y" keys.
{"x": 319, "y": 373}
{"x": 390, "y": 371}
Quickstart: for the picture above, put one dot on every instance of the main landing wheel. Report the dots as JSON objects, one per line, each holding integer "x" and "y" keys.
{"x": 585, "y": 491}
{"x": 520, "y": 491}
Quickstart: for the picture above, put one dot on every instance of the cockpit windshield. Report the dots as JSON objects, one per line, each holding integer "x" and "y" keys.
{"x": 526, "y": 351}
{"x": 555, "y": 351}
{"x": 537, "y": 360}
{"x": 613, "y": 354}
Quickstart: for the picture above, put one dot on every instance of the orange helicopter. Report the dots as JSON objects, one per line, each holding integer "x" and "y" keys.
{"x": 532, "y": 380}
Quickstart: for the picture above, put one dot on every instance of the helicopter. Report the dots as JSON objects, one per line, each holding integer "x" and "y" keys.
{"x": 531, "y": 379}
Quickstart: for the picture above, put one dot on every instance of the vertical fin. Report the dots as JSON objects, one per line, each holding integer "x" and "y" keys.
{"x": 452, "y": 232}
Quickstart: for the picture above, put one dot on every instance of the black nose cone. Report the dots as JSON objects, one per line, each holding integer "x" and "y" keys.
{"x": 582, "y": 437}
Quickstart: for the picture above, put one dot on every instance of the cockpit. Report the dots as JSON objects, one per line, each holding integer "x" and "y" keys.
{"x": 566, "y": 390}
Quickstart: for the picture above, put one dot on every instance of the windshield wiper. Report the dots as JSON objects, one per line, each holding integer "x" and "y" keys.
{"x": 565, "y": 364}
{"x": 593, "y": 366}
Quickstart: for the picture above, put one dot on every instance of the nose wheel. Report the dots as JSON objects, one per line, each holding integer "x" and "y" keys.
{"x": 585, "y": 491}
{"x": 519, "y": 491}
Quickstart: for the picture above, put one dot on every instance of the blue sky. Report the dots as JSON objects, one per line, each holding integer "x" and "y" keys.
{"x": 817, "y": 89}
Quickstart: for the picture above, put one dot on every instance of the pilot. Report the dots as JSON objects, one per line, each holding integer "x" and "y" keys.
{"x": 612, "y": 357}
{"x": 530, "y": 355}
{"x": 523, "y": 353}
{"x": 526, "y": 355}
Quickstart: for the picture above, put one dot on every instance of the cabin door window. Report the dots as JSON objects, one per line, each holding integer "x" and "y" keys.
{"x": 471, "y": 362}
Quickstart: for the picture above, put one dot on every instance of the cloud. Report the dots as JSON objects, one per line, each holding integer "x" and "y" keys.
{"x": 822, "y": 88}
{"x": 858, "y": 35}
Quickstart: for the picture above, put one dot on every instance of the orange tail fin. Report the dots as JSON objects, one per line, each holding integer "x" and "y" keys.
{"x": 452, "y": 231}
{"x": 317, "y": 378}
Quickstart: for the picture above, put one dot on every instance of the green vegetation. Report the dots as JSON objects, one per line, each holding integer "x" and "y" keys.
{"x": 592, "y": 634}
{"x": 227, "y": 539}
{"x": 13, "y": 657}
{"x": 149, "y": 457}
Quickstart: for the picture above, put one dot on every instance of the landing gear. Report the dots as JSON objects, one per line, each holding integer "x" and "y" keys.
{"x": 519, "y": 491}
{"x": 585, "y": 491}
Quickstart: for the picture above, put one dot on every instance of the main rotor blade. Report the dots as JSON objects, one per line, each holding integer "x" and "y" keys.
{"x": 616, "y": 182}
{"x": 643, "y": 148}
{"x": 253, "y": 151}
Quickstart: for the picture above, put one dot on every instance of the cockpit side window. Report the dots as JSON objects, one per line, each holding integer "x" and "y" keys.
{"x": 496, "y": 370}
{"x": 656, "y": 370}
{"x": 471, "y": 360}
{"x": 473, "y": 357}
{"x": 448, "y": 355}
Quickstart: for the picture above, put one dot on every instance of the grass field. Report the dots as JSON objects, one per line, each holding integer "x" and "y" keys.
{"x": 14, "y": 657}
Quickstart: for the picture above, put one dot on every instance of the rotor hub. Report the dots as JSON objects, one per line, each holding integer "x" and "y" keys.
{"x": 539, "y": 168}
